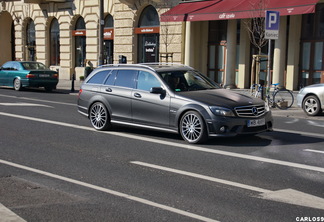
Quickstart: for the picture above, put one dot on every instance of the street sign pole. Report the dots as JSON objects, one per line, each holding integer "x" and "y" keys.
{"x": 271, "y": 32}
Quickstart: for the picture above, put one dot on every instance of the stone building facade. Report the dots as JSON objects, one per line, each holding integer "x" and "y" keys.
{"x": 65, "y": 35}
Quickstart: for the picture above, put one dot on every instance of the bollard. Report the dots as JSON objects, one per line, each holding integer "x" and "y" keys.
{"x": 72, "y": 84}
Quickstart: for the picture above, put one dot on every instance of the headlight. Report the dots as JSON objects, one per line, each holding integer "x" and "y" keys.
{"x": 266, "y": 107}
{"x": 221, "y": 111}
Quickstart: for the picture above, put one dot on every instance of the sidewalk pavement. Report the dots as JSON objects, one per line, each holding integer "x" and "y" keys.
{"x": 294, "y": 112}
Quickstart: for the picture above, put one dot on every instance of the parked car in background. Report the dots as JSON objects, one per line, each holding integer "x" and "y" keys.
{"x": 169, "y": 97}
{"x": 19, "y": 74}
{"x": 311, "y": 99}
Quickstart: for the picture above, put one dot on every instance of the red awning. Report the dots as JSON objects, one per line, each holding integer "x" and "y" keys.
{"x": 240, "y": 9}
{"x": 179, "y": 13}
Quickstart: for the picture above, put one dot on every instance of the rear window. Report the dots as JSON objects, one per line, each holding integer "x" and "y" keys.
{"x": 33, "y": 65}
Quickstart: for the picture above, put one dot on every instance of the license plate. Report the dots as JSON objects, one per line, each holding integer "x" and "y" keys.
{"x": 256, "y": 122}
{"x": 44, "y": 75}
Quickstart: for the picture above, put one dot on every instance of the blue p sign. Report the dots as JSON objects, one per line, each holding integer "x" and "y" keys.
{"x": 272, "y": 24}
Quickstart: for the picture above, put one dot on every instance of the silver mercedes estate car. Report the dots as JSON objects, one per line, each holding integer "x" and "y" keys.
{"x": 169, "y": 97}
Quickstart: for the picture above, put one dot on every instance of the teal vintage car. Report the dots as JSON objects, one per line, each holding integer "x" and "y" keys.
{"x": 20, "y": 74}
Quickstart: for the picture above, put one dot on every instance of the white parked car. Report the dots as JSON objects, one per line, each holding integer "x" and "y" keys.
{"x": 311, "y": 99}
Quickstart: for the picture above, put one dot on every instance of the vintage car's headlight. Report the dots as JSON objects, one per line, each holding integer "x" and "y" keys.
{"x": 221, "y": 111}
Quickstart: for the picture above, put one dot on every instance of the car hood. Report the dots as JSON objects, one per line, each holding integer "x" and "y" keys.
{"x": 220, "y": 97}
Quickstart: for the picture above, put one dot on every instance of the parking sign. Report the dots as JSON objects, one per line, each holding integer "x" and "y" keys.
{"x": 272, "y": 25}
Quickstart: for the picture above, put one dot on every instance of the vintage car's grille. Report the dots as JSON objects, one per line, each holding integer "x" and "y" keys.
{"x": 250, "y": 111}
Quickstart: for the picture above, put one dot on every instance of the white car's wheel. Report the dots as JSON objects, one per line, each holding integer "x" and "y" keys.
{"x": 311, "y": 106}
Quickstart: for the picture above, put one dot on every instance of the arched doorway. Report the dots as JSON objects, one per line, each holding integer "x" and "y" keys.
{"x": 80, "y": 43}
{"x": 108, "y": 43}
{"x": 7, "y": 38}
{"x": 148, "y": 35}
{"x": 30, "y": 41}
{"x": 54, "y": 43}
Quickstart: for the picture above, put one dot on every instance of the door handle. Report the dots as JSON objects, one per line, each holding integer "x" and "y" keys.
{"x": 137, "y": 95}
{"x": 108, "y": 90}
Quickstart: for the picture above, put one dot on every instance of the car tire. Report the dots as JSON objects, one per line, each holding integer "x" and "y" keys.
{"x": 17, "y": 84}
{"x": 49, "y": 88}
{"x": 99, "y": 116}
{"x": 312, "y": 105}
{"x": 192, "y": 127}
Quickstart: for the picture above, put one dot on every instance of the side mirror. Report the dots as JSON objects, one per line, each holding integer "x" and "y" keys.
{"x": 157, "y": 90}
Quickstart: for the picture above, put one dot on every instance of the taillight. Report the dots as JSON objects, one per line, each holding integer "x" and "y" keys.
{"x": 55, "y": 75}
{"x": 30, "y": 76}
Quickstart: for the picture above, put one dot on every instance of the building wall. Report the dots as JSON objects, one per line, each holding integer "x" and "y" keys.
{"x": 186, "y": 42}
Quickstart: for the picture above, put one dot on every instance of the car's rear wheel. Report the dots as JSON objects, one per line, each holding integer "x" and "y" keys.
{"x": 99, "y": 116}
{"x": 17, "y": 84}
{"x": 192, "y": 127}
{"x": 312, "y": 106}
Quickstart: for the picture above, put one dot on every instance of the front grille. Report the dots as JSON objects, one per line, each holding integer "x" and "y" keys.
{"x": 250, "y": 111}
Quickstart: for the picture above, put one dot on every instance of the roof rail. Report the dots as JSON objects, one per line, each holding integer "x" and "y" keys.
{"x": 165, "y": 64}
{"x": 146, "y": 65}
{"x": 124, "y": 64}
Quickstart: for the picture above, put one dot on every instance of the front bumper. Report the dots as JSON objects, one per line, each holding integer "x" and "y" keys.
{"x": 232, "y": 126}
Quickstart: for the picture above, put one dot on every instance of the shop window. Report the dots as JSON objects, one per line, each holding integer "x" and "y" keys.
{"x": 31, "y": 41}
{"x": 108, "y": 43}
{"x": 80, "y": 43}
{"x": 148, "y": 35}
{"x": 312, "y": 47}
{"x": 217, "y": 50}
{"x": 55, "y": 43}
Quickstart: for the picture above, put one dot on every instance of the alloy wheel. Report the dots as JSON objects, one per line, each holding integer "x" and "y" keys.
{"x": 99, "y": 117}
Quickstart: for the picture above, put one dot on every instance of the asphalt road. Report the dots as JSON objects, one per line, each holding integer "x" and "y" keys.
{"x": 55, "y": 167}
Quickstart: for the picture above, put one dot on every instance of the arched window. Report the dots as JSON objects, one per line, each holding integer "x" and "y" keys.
{"x": 80, "y": 43}
{"x": 31, "y": 41}
{"x": 55, "y": 43}
{"x": 108, "y": 43}
{"x": 148, "y": 35}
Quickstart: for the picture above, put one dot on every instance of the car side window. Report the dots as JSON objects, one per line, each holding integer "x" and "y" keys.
{"x": 7, "y": 66}
{"x": 99, "y": 77}
{"x": 146, "y": 81}
{"x": 126, "y": 78}
{"x": 111, "y": 78}
{"x": 16, "y": 66}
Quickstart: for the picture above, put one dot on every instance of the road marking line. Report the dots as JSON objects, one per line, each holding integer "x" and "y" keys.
{"x": 109, "y": 191}
{"x": 289, "y": 196}
{"x": 39, "y": 100}
{"x": 183, "y": 146}
{"x": 203, "y": 177}
{"x": 314, "y": 151}
{"x": 319, "y": 135}
{"x": 8, "y": 215}
{"x": 24, "y": 104}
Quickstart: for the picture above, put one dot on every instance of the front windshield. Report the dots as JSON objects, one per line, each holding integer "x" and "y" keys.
{"x": 187, "y": 80}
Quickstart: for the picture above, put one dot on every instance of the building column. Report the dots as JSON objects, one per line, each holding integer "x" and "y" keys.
{"x": 279, "y": 56}
{"x": 189, "y": 46}
{"x": 293, "y": 52}
{"x": 244, "y": 58}
{"x": 229, "y": 79}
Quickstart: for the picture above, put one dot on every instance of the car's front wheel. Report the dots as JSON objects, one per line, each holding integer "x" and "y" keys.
{"x": 99, "y": 116}
{"x": 193, "y": 128}
{"x": 312, "y": 106}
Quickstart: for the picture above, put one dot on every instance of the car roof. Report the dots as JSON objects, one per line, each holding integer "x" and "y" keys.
{"x": 157, "y": 67}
